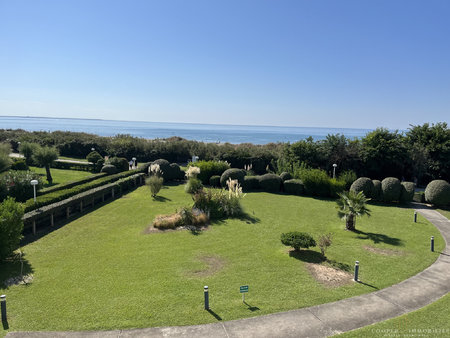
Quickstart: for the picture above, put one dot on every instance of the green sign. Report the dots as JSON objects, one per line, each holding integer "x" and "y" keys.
{"x": 243, "y": 288}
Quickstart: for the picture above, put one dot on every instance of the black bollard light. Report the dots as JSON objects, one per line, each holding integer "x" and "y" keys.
{"x": 432, "y": 243}
{"x": 356, "y": 271}
{"x": 3, "y": 308}
{"x": 415, "y": 216}
{"x": 205, "y": 289}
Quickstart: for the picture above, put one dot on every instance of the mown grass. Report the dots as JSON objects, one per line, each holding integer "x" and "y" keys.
{"x": 102, "y": 272}
{"x": 430, "y": 321}
{"x": 61, "y": 176}
{"x": 445, "y": 212}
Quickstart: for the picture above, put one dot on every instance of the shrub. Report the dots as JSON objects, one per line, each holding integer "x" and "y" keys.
{"x": 234, "y": 174}
{"x": 219, "y": 203}
{"x": 348, "y": 177}
{"x": 336, "y": 187}
{"x": 120, "y": 163}
{"x": 19, "y": 165}
{"x": 17, "y": 184}
{"x": 325, "y": 242}
{"x": 27, "y": 149}
{"x": 407, "y": 193}
{"x": 169, "y": 171}
{"x": 294, "y": 187}
{"x": 419, "y": 196}
{"x": 192, "y": 172}
{"x": 437, "y": 192}
{"x": 209, "y": 169}
{"x": 270, "y": 182}
{"x": 109, "y": 169}
{"x": 155, "y": 184}
{"x": 99, "y": 165}
{"x": 193, "y": 186}
{"x": 377, "y": 193}
{"x": 94, "y": 157}
{"x": 298, "y": 240}
{"x": 316, "y": 182}
{"x": 175, "y": 172}
{"x": 251, "y": 183}
{"x": 391, "y": 188}
{"x": 185, "y": 216}
{"x": 214, "y": 181}
{"x": 167, "y": 221}
{"x": 285, "y": 176}
{"x": 11, "y": 226}
{"x": 363, "y": 184}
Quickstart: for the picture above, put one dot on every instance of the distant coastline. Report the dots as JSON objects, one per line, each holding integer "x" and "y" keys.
{"x": 215, "y": 133}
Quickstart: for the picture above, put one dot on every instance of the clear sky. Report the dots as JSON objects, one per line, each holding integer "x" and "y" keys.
{"x": 334, "y": 63}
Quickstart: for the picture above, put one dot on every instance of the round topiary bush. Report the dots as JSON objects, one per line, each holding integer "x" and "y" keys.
{"x": 214, "y": 181}
{"x": 234, "y": 174}
{"x": 270, "y": 182}
{"x": 164, "y": 166}
{"x": 93, "y": 157}
{"x": 377, "y": 194}
{"x": 298, "y": 240}
{"x": 175, "y": 172}
{"x": 408, "y": 189}
{"x": 250, "y": 183}
{"x": 391, "y": 188}
{"x": 437, "y": 192}
{"x": 285, "y": 176}
{"x": 294, "y": 187}
{"x": 363, "y": 184}
{"x": 120, "y": 163}
{"x": 109, "y": 169}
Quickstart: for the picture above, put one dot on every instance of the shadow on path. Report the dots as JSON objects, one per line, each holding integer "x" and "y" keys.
{"x": 215, "y": 315}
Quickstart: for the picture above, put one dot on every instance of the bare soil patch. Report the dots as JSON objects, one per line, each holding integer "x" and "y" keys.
{"x": 383, "y": 252}
{"x": 213, "y": 265}
{"x": 195, "y": 229}
{"x": 19, "y": 280}
{"x": 329, "y": 276}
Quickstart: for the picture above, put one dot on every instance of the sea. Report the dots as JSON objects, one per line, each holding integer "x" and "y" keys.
{"x": 214, "y": 133}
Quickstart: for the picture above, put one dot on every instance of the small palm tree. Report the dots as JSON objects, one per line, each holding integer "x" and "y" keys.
{"x": 351, "y": 205}
{"x": 45, "y": 156}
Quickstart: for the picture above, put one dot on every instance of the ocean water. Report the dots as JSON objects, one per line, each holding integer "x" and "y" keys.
{"x": 217, "y": 133}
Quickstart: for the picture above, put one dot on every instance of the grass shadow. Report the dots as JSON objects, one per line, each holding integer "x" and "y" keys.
{"x": 377, "y": 238}
{"x": 366, "y": 284}
{"x": 252, "y": 308}
{"x": 5, "y": 324}
{"x": 215, "y": 315}
{"x": 161, "y": 199}
{"x": 249, "y": 219}
{"x": 12, "y": 267}
{"x": 308, "y": 256}
{"x": 339, "y": 265}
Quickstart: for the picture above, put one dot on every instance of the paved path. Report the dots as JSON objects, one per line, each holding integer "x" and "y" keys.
{"x": 317, "y": 321}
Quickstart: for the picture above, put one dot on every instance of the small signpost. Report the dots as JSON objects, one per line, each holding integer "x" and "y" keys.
{"x": 243, "y": 289}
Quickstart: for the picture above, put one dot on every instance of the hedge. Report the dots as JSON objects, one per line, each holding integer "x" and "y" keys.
{"x": 234, "y": 174}
{"x": 377, "y": 193}
{"x": 437, "y": 192}
{"x": 214, "y": 181}
{"x": 285, "y": 176}
{"x": 250, "y": 183}
{"x": 66, "y": 164}
{"x": 70, "y": 184}
{"x": 109, "y": 169}
{"x": 363, "y": 184}
{"x": 209, "y": 169}
{"x": 294, "y": 187}
{"x": 270, "y": 182}
{"x": 391, "y": 188}
{"x": 407, "y": 193}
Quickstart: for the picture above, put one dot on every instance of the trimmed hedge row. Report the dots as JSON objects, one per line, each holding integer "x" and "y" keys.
{"x": 57, "y": 196}
{"x": 63, "y": 164}
{"x": 69, "y": 185}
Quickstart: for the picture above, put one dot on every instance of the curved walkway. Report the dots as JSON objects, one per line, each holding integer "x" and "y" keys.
{"x": 316, "y": 321}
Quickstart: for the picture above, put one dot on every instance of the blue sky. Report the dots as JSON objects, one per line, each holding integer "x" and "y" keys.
{"x": 360, "y": 64}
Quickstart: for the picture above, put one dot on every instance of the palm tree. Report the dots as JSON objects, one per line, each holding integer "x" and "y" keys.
{"x": 45, "y": 156}
{"x": 351, "y": 205}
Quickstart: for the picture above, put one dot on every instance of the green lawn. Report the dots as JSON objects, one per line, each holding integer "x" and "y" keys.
{"x": 445, "y": 212}
{"x": 430, "y": 321}
{"x": 61, "y": 175}
{"x": 72, "y": 158}
{"x": 102, "y": 272}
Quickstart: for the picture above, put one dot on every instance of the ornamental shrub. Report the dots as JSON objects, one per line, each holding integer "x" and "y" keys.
{"x": 175, "y": 172}
{"x": 270, "y": 182}
{"x": 316, "y": 182}
{"x": 93, "y": 157}
{"x": 210, "y": 168}
{"x": 234, "y": 174}
{"x": 11, "y": 226}
{"x": 164, "y": 166}
{"x": 214, "y": 181}
{"x": 219, "y": 203}
{"x": 120, "y": 163}
{"x": 336, "y": 187}
{"x": 377, "y": 193}
{"x": 193, "y": 186}
{"x": 285, "y": 176}
{"x": 391, "y": 188}
{"x": 348, "y": 177}
{"x": 16, "y": 184}
{"x": 251, "y": 183}
{"x": 407, "y": 193}
{"x": 19, "y": 165}
{"x": 298, "y": 240}
{"x": 294, "y": 187}
{"x": 109, "y": 169}
{"x": 419, "y": 196}
{"x": 437, "y": 192}
{"x": 363, "y": 184}
{"x": 155, "y": 184}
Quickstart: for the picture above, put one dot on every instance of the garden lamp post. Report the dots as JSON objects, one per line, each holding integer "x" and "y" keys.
{"x": 334, "y": 170}
{"x": 134, "y": 161}
{"x": 34, "y": 183}
{"x": 92, "y": 149}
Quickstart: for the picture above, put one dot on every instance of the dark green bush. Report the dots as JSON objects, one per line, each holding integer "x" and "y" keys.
{"x": 234, "y": 174}
{"x": 437, "y": 192}
{"x": 16, "y": 183}
{"x": 270, "y": 182}
{"x": 120, "y": 163}
{"x": 419, "y": 196}
{"x": 93, "y": 157}
{"x": 298, "y": 240}
{"x": 69, "y": 185}
{"x": 377, "y": 193}
{"x": 294, "y": 187}
{"x": 348, "y": 177}
{"x": 193, "y": 186}
{"x": 316, "y": 182}
{"x": 175, "y": 172}
{"x": 250, "y": 183}
{"x": 210, "y": 168}
{"x": 285, "y": 176}
{"x": 214, "y": 181}
{"x": 164, "y": 166}
{"x": 11, "y": 226}
{"x": 391, "y": 188}
{"x": 336, "y": 187}
{"x": 19, "y": 165}
{"x": 109, "y": 169}
{"x": 408, "y": 189}
{"x": 363, "y": 184}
